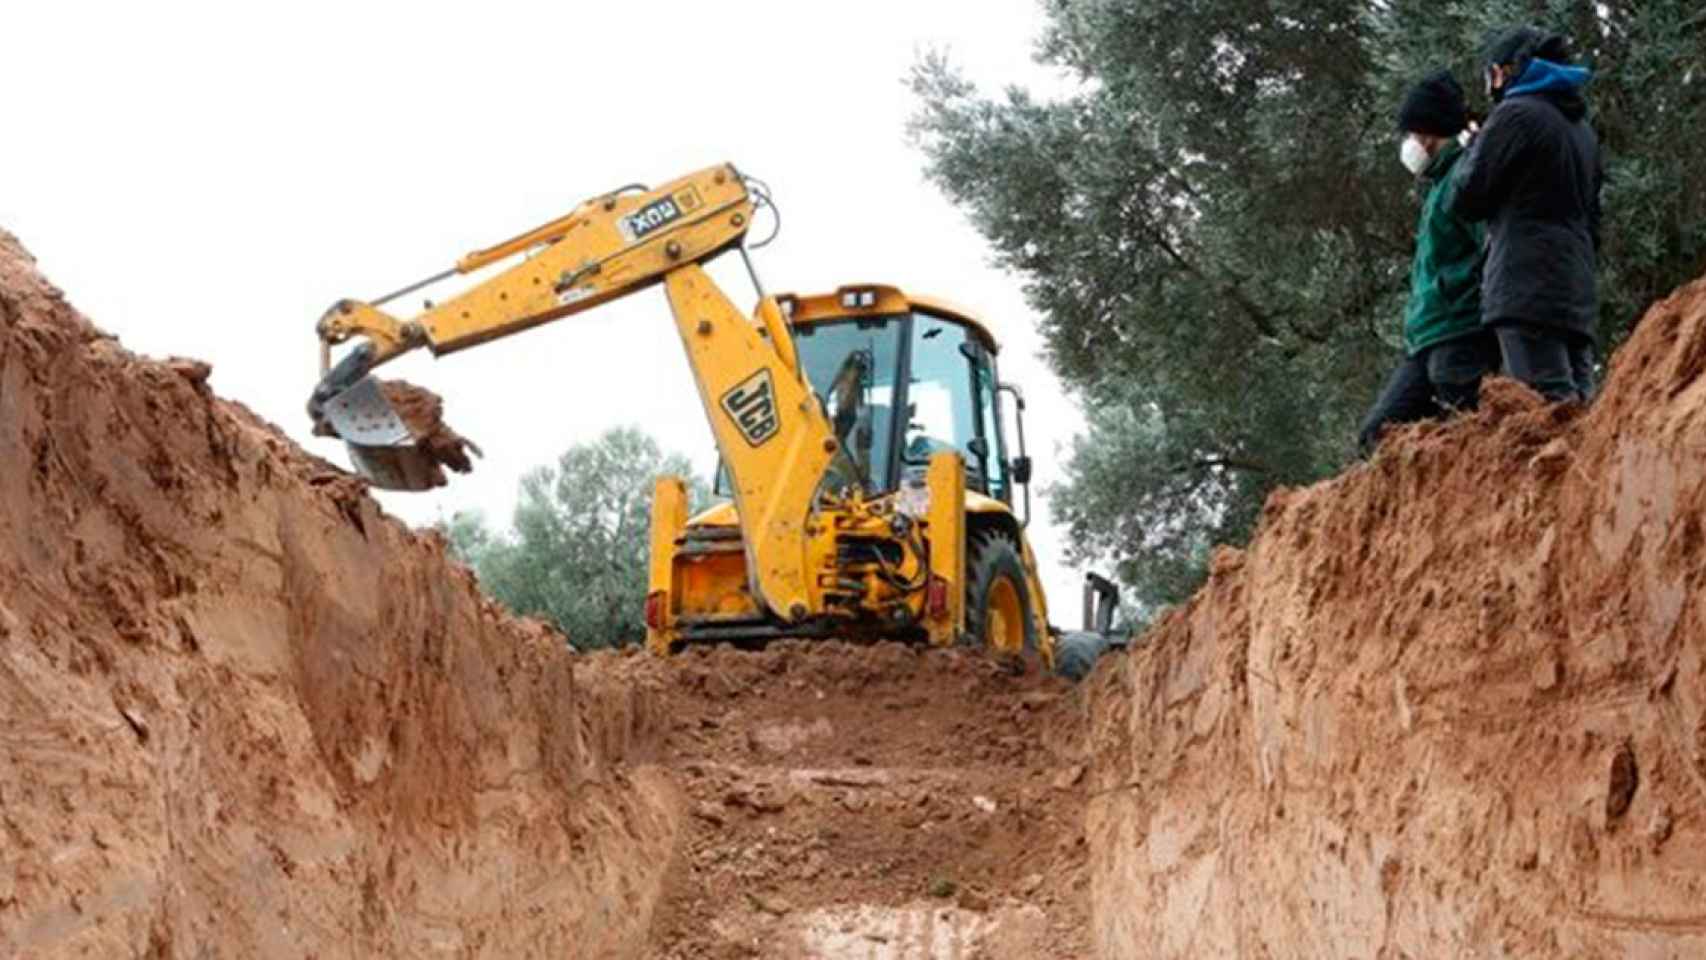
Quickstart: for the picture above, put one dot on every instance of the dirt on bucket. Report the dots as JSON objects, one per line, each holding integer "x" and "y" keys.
{"x": 422, "y": 411}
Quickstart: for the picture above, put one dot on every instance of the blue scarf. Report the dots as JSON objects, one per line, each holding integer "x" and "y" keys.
{"x": 1544, "y": 76}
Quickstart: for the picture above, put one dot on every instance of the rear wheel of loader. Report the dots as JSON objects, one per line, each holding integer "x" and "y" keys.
{"x": 998, "y": 603}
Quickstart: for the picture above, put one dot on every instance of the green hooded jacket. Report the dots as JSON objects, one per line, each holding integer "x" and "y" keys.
{"x": 1445, "y": 278}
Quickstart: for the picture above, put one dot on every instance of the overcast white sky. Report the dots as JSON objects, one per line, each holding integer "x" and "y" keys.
{"x": 205, "y": 178}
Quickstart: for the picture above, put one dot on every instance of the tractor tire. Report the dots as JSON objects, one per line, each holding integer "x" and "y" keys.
{"x": 1076, "y": 653}
{"x": 997, "y": 593}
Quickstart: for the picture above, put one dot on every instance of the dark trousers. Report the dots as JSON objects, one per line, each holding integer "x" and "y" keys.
{"x": 1433, "y": 383}
{"x": 1557, "y": 365}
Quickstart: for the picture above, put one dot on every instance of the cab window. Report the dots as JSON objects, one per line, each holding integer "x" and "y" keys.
{"x": 995, "y": 456}
{"x": 851, "y": 365}
{"x": 943, "y": 395}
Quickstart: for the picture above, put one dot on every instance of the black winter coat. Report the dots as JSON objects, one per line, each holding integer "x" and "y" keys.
{"x": 1534, "y": 174}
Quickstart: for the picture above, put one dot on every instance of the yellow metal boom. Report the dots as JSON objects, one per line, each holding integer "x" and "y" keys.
{"x": 770, "y": 430}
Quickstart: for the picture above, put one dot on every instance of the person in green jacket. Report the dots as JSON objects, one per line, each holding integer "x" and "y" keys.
{"x": 1447, "y": 351}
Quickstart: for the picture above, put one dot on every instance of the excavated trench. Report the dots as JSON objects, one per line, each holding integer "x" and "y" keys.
{"x": 870, "y": 802}
{"x": 244, "y": 713}
{"x": 1452, "y": 703}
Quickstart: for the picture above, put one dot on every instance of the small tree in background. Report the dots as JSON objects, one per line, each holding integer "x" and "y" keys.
{"x": 1216, "y": 233}
{"x": 577, "y": 547}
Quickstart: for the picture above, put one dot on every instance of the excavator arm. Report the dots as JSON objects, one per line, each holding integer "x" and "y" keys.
{"x": 768, "y": 426}
{"x": 608, "y": 247}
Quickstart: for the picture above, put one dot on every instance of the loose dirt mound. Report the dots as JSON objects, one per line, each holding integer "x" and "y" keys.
{"x": 1450, "y": 704}
{"x": 876, "y": 803}
{"x": 242, "y": 713}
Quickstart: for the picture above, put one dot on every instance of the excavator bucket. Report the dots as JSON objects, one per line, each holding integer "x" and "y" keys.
{"x": 395, "y": 449}
{"x": 382, "y": 448}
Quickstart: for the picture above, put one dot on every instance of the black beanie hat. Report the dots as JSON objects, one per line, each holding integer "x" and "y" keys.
{"x": 1434, "y": 106}
{"x": 1516, "y": 45}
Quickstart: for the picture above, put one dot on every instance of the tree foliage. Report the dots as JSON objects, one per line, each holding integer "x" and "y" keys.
{"x": 576, "y": 550}
{"x": 1216, "y": 233}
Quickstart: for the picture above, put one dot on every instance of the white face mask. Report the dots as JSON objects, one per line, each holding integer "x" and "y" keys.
{"x": 1413, "y": 155}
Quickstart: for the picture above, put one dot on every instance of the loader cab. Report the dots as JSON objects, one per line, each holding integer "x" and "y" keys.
{"x": 901, "y": 377}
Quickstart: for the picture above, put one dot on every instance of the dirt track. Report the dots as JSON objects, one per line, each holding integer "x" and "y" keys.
{"x": 1452, "y": 703}
{"x": 881, "y": 802}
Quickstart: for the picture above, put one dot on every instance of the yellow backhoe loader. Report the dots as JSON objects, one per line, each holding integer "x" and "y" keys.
{"x": 860, "y": 431}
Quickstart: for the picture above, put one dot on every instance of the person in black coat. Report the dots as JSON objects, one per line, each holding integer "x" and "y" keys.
{"x": 1534, "y": 174}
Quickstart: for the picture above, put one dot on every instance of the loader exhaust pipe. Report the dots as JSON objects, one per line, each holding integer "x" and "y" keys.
{"x": 1101, "y": 599}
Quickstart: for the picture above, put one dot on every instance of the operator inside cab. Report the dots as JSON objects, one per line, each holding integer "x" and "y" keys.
{"x": 934, "y": 367}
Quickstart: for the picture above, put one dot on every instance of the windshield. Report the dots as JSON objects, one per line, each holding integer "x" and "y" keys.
{"x": 851, "y": 365}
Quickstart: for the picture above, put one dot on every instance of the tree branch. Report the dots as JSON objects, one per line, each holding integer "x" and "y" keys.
{"x": 1262, "y": 320}
{"x": 1224, "y": 463}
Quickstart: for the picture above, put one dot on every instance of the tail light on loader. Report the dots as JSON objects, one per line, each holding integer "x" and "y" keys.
{"x": 655, "y": 609}
{"x": 936, "y": 598}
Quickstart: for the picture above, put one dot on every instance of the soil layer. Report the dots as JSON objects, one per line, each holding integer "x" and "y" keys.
{"x": 245, "y": 714}
{"x": 877, "y": 803}
{"x": 1452, "y": 703}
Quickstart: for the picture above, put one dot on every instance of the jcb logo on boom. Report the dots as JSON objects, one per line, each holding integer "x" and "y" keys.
{"x": 752, "y": 406}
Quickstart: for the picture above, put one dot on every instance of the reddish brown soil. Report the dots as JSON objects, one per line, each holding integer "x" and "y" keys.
{"x": 872, "y": 802}
{"x": 1452, "y": 703}
{"x": 422, "y": 411}
{"x": 244, "y": 714}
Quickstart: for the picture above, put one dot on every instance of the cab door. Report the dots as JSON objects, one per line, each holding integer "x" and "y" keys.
{"x": 950, "y": 403}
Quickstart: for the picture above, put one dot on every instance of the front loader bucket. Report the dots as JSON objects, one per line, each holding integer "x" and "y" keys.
{"x": 382, "y": 448}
